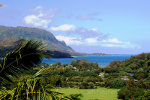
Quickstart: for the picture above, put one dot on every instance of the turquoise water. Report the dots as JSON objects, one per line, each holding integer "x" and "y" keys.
{"x": 101, "y": 60}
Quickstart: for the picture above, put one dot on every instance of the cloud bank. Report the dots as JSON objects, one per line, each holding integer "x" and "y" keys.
{"x": 73, "y": 35}
{"x": 65, "y": 27}
{"x": 95, "y": 40}
{"x": 40, "y": 18}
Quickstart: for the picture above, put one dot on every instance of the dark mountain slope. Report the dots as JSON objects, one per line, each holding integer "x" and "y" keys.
{"x": 36, "y": 33}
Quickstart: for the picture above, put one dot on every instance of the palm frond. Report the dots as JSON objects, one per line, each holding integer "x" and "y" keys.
{"x": 25, "y": 56}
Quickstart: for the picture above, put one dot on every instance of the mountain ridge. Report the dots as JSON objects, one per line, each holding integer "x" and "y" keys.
{"x": 11, "y": 36}
{"x": 36, "y": 33}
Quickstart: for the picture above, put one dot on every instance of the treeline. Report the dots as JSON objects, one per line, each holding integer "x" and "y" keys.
{"x": 136, "y": 73}
{"x": 137, "y": 66}
{"x": 131, "y": 76}
{"x": 80, "y": 74}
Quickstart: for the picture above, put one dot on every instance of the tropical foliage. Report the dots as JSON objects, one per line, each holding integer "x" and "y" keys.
{"x": 135, "y": 71}
{"x": 26, "y": 56}
{"x": 23, "y": 76}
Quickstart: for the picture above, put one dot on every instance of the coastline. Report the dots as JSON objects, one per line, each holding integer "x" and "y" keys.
{"x": 103, "y": 61}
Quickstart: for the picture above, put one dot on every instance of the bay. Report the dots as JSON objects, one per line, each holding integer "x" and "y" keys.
{"x": 101, "y": 60}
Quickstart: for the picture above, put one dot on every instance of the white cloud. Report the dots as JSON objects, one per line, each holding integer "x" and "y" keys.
{"x": 109, "y": 45}
{"x": 91, "y": 40}
{"x": 38, "y": 8}
{"x": 94, "y": 29}
{"x": 89, "y": 37}
{"x": 40, "y": 18}
{"x": 119, "y": 45}
{"x": 65, "y": 27}
{"x": 96, "y": 42}
{"x": 37, "y": 21}
{"x": 116, "y": 45}
{"x": 86, "y": 33}
{"x": 114, "y": 40}
{"x": 69, "y": 40}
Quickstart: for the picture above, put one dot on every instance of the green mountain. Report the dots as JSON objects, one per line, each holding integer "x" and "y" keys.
{"x": 10, "y": 36}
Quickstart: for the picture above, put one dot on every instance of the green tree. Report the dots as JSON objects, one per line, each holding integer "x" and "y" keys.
{"x": 58, "y": 63}
{"x": 118, "y": 83}
{"x": 74, "y": 63}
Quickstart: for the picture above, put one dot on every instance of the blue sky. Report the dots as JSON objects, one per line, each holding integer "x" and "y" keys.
{"x": 108, "y": 26}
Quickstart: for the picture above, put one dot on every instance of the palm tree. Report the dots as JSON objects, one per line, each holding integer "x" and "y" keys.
{"x": 25, "y": 56}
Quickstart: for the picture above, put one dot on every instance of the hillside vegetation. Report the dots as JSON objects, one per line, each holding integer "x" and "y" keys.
{"x": 9, "y": 33}
{"x": 11, "y": 36}
{"x": 131, "y": 75}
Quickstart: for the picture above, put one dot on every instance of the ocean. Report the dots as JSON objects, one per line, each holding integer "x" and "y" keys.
{"x": 101, "y": 60}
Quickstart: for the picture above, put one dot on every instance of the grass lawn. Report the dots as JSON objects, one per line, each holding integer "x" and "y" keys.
{"x": 91, "y": 94}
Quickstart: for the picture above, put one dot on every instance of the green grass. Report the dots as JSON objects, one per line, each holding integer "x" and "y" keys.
{"x": 91, "y": 94}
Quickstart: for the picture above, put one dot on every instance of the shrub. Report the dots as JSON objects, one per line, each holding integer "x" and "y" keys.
{"x": 140, "y": 84}
{"x": 111, "y": 75}
{"x": 147, "y": 85}
{"x": 92, "y": 79}
{"x": 123, "y": 73}
{"x": 146, "y": 96}
{"x": 76, "y": 79}
{"x": 124, "y": 94}
{"x": 88, "y": 73}
{"x": 91, "y": 85}
{"x": 85, "y": 85}
{"x": 128, "y": 93}
{"x": 108, "y": 81}
{"x": 118, "y": 83}
{"x": 101, "y": 84}
{"x": 69, "y": 73}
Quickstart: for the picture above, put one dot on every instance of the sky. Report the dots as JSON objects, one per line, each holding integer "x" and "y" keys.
{"x": 89, "y": 26}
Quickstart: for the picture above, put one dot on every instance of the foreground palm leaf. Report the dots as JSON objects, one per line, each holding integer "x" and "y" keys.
{"x": 31, "y": 89}
{"x": 25, "y": 56}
